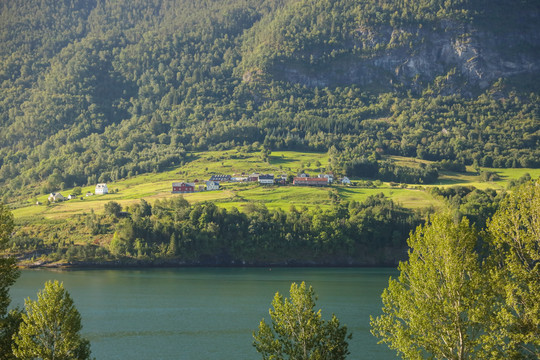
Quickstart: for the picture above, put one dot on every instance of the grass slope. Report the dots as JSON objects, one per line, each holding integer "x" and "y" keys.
{"x": 202, "y": 165}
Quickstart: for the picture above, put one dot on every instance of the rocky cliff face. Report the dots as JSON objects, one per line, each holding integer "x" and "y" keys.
{"x": 458, "y": 57}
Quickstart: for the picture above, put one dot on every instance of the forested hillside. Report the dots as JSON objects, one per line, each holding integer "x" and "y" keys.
{"x": 100, "y": 90}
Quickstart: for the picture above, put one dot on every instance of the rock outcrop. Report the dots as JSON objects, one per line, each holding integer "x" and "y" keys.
{"x": 461, "y": 56}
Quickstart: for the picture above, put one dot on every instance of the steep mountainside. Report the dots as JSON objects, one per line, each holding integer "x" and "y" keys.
{"x": 404, "y": 44}
{"x": 104, "y": 89}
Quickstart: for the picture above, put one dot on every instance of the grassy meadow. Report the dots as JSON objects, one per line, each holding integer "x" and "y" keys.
{"x": 201, "y": 166}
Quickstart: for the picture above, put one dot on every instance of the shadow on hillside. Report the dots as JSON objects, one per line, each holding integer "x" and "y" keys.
{"x": 278, "y": 160}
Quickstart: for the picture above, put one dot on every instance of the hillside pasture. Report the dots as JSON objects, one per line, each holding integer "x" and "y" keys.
{"x": 202, "y": 165}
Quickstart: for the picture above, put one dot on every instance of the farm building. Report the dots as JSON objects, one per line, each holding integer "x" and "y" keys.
{"x": 310, "y": 181}
{"x": 253, "y": 177}
{"x": 220, "y": 178}
{"x": 212, "y": 185}
{"x": 266, "y": 179}
{"x": 182, "y": 188}
{"x": 101, "y": 189}
{"x": 56, "y": 197}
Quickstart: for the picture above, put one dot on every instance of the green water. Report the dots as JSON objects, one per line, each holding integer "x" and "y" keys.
{"x": 208, "y": 313}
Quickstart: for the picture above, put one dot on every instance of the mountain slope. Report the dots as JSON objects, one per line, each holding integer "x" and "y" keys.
{"x": 392, "y": 44}
{"x": 102, "y": 90}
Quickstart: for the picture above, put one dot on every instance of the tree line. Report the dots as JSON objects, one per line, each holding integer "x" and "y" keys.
{"x": 208, "y": 234}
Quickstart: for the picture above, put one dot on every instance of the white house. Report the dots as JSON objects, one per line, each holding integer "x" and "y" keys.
{"x": 212, "y": 185}
{"x": 345, "y": 180}
{"x": 71, "y": 197}
{"x": 101, "y": 189}
{"x": 55, "y": 197}
{"x": 329, "y": 177}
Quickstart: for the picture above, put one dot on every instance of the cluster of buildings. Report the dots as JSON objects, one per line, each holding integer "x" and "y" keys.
{"x": 263, "y": 179}
{"x": 101, "y": 189}
{"x": 214, "y": 181}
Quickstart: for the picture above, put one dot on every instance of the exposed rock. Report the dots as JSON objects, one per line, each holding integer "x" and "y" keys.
{"x": 476, "y": 58}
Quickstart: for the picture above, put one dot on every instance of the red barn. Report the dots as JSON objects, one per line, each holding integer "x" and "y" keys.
{"x": 182, "y": 188}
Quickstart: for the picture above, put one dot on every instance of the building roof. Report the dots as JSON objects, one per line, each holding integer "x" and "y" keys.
{"x": 183, "y": 183}
{"x": 55, "y": 195}
{"x": 220, "y": 177}
{"x": 266, "y": 177}
{"x": 311, "y": 180}
{"x": 101, "y": 185}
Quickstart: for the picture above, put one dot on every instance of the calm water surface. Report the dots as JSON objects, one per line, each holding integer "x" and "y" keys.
{"x": 200, "y": 314}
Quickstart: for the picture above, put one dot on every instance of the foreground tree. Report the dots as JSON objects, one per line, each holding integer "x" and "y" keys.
{"x": 298, "y": 332}
{"x": 8, "y": 270}
{"x": 437, "y": 306}
{"x": 8, "y": 275}
{"x": 50, "y": 328}
{"x": 515, "y": 238}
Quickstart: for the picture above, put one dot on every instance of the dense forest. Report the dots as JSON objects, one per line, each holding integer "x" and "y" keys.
{"x": 102, "y": 90}
{"x": 173, "y": 232}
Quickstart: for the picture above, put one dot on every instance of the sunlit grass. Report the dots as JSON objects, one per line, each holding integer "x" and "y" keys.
{"x": 286, "y": 194}
{"x": 157, "y": 186}
{"x": 410, "y": 198}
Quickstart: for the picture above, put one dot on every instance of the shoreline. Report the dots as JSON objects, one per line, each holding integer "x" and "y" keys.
{"x": 138, "y": 264}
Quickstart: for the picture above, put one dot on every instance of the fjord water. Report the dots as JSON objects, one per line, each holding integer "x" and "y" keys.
{"x": 205, "y": 313}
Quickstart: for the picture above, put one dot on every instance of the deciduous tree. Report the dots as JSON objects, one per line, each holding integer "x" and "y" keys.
{"x": 50, "y": 328}
{"x": 8, "y": 276}
{"x": 113, "y": 208}
{"x": 436, "y": 308}
{"x": 298, "y": 332}
{"x": 515, "y": 240}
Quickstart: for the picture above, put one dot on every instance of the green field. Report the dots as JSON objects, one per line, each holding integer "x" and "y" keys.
{"x": 202, "y": 165}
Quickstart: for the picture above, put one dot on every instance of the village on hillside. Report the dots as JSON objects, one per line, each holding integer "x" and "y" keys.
{"x": 263, "y": 179}
{"x": 214, "y": 182}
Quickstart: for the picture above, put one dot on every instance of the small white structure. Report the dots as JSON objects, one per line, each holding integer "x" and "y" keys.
{"x": 239, "y": 178}
{"x": 345, "y": 180}
{"x": 212, "y": 185}
{"x": 101, "y": 189}
{"x": 71, "y": 197}
{"x": 55, "y": 197}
